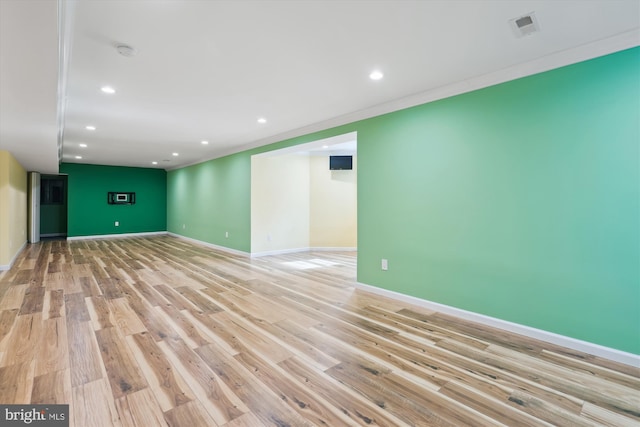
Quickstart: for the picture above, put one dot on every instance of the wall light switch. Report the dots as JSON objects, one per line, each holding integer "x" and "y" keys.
{"x": 117, "y": 223}
{"x": 226, "y": 234}
{"x": 385, "y": 264}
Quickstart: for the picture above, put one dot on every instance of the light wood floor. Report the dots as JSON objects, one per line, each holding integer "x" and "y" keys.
{"x": 156, "y": 331}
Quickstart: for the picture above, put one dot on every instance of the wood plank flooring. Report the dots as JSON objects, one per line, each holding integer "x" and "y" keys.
{"x": 160, "y": 332}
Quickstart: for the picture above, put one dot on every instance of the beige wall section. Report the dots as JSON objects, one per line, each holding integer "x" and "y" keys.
{"x": 4, "y": 208}
{"x": 13, "y": 208}
{"x": 279, "y": 203}
{"x": 333, "y": 212}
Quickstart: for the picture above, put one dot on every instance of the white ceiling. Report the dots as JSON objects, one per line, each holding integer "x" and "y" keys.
{"x": 29, "y": 82}
{"x": 207, "y": 70}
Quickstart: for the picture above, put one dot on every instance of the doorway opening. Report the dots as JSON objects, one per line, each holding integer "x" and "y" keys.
{"x": 53, "y": 207}
{"x": 298, "y": 203}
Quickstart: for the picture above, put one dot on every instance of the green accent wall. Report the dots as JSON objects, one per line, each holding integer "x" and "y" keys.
{"x": 520, "y": 201}
{"x": 209, "y": 199}
{"x": 89, "y": 214}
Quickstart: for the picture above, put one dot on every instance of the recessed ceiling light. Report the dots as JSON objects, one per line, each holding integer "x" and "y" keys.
{"x": 175, "y": 154}
{"x": 154, "y": 163}
{"x": 83, "y": 145}
{"x": 78, "y": 157}
{"x": 325, "y": 146}
{"x": 204, "y": 142}
{"x": 376, "y": 75}
{"x": 262, "y": 120}
{"x": 90, "y": 127}
{"x": 108, "y": 89}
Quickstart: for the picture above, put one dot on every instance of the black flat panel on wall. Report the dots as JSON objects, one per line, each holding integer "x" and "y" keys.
{"x": 121, "y": 198}
{"x": 340, "y": 163}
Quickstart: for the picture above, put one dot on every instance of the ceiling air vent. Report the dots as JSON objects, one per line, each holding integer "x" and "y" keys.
{"x": 525, "y": 25}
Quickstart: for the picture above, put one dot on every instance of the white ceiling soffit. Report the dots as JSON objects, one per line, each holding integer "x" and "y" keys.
{"x": 345, "y": 144}
{"x": 207, "y": 70}
{"x": 29, "y": 82}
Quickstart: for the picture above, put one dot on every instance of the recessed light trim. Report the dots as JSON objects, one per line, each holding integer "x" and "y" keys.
{"x": 108, "y": 89}
{"x": 376, "y": 75}
{"x": 204, "y": 142}
{"x": 154, "y": 163}
{"x": 262, "y": 120}
{"x": 78, "y": 157}
{"x": 83, "y": 145}
{"x": 90, "y": 127}
{"x": 175, "y": 154}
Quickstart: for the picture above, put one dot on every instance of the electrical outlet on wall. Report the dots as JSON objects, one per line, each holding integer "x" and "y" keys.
{"x": 184, "y": 226}
{"x": 117, "y": 223}
{"x": 384, "y": 264}
{"x": 226, "y": 234}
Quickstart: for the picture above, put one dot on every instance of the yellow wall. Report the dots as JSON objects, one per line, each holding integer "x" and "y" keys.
{"x": 13, "y": 208}
{"x": 333, "y": 213}
{"x": 279, "y": 203}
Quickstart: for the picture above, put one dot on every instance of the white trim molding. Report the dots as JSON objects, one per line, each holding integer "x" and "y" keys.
{"x": 333, "y": 249}
{"x": 117, "y": 236}
{"x": 279, "y": 252}
{"x": 209, "y": 245}
{"x": 13, "y": 260}
{"x": 539, "y": 334}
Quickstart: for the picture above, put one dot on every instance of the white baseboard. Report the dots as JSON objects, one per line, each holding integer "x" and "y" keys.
{"x": 539, "y": 334}
{"x": 279, "y": 252}
{"x": 332, "y": 249}
{"x": 306, "y": 249}
{"x": 13, "y": 260}
{"x": 117, "y": 236}
{"x": 209, "y": 245}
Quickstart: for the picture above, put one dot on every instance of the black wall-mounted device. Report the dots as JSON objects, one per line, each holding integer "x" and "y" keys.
{"x": 121, "y": 198}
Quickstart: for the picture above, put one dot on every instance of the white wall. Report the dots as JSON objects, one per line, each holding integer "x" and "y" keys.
{"x": 279, "y": 203}
{"x": 333, "y": 210}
